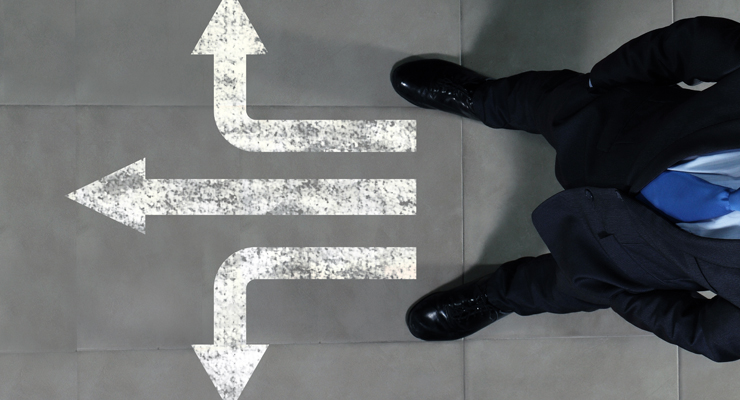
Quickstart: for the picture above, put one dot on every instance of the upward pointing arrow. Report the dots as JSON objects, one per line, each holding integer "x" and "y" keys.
{"x": 230, "y": 37}
{"x": 230, "y": 32}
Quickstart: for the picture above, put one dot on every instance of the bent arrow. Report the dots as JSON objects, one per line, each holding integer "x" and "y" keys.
{"x": 127, "y": 196}
{"x": 230, "y": 362}
{"x": 229, "y": 37}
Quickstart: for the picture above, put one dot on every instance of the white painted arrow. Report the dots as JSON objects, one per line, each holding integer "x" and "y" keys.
{"x": 230, "y": 362}
{"x": 127, "y": 196}
{"x": 229, "y": 37}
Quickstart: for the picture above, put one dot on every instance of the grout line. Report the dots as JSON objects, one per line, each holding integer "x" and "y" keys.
{"x": 678, "y": 373}
{"x": 673, "y": 11}
{"x": 413, "y": 341}
{"x": 35, "y": 353}
{"x": 464, "y": 364}
{"x": 562, "y": 337}
{"x": 77, "y": 224}
{"x": 76, "y": 71}
{"x": 77, "y": 364}
{"x": 460, "y": 49}
{"x": 359, "y": 107}
{"x": 462, "y": 200}
{"x": 399, "y": 342}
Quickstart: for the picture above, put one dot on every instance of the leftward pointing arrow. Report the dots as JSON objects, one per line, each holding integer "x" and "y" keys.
{"x": 127, "y": 196}
{"x": 230, "y": 361}
{"x": 230, "y": 37}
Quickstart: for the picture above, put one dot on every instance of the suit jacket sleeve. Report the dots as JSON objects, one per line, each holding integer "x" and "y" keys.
{"x": 701, "y": 48}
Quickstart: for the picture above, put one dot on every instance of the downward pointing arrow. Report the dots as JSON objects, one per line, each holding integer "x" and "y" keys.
{"x": 127, "y": 196}
{"x": 230, "y": 367}
{"x": 230, "y": 362}
{"x": 230, "y": 37}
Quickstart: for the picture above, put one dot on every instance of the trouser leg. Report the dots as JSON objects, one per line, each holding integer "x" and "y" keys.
{"x": 524, "y": 101}
{"x": 533, "y": 285}
{"x": 704, "y": 326}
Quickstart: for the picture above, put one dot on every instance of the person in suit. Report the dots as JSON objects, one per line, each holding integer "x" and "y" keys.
{"x": 650, "y": 171}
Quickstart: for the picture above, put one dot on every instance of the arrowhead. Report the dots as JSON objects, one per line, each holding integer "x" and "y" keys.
{"x": 230, "y": 32}
{"x": 230, "y": 367}
{"x": 120, "y": 195}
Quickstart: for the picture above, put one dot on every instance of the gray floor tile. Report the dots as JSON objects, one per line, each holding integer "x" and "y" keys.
{"x": 37, "y": 257}
{"x": 38, "y": 376}
{"x": 715, "y": 8}
{"x": 334, "y": 52}
{"x": 700, "y": 87}
{"x": 507, "y": 174}
{"x": 37, "y": 53}
{"x": 312, "y": 312}
{"x": 138, "y": 53}
{"x": 502, "y": 38}
{"x": 148, "y": 291}
{"x": 702, "y": 378}
{"x": 178, "y": 142}
{"x": 359, "y": 371}
{"x": 577, "y": 368}
{"x": 139, "y": 375}
{"x": 336, "y": 311}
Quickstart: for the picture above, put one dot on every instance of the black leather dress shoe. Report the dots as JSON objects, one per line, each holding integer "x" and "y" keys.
{"x": 453, "y": 314}
{"x": 438, "y": 84}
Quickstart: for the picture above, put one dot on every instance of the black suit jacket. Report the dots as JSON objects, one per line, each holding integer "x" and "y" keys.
{"x": 649, "y": 124}
{"x": 614, "y": 252}
{"x": 587, "y": 228}
{"x": 646, "y": 122}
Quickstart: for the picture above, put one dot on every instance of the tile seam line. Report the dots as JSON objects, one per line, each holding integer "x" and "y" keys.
{"x": 31, "y": 353}
{"x": 678, "y": 373}
{"x": 75, "y": 48}
{"x": 462, "y": 199}
{"x": 369, "y": 107}
{"x": 563, "y": 337}
{"x": 330, "y": 343}
{"x": 355, "y": 343}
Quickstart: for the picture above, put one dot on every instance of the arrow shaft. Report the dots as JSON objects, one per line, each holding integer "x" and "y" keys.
{"x": 230, "y": 92}
{"x": 230, "y": 113}
{"x": 280, "y": 197}
{"x": 230, "y": 36}
{"x": 232, "y": 278}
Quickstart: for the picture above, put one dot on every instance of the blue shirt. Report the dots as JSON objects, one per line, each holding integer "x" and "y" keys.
{"x": 720, "y": 168}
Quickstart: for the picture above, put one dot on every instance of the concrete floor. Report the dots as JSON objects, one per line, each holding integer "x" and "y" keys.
{"x": 92, "y": 309}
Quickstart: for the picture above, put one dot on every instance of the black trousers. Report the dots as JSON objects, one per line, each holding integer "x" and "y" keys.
{"x": 532, "y": 102}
